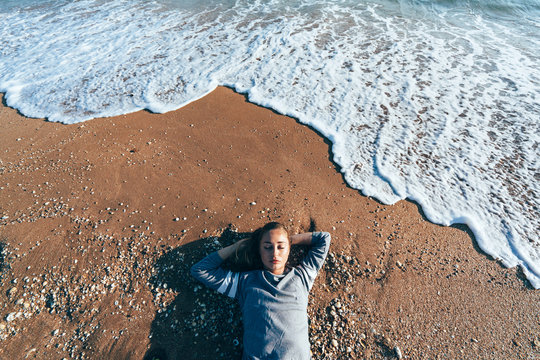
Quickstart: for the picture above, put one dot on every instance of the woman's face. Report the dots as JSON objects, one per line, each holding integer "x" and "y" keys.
{"x": 274, "y": 249}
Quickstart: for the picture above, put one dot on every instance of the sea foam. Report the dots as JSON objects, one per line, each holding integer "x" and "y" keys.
{"x": 424, "y": 101}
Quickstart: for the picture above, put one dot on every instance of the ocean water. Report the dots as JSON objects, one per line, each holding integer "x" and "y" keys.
{"x": 434, "y": 101}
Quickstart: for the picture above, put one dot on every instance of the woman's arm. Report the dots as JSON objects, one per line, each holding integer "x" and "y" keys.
{"x": 314, "y": 260}
{"x": 226, "y": 252}
{"x": 301, "y": 239}
{"x": 210, "y": 273}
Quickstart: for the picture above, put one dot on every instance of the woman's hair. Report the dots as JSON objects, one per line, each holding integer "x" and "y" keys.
{"x": 247, "y": 256}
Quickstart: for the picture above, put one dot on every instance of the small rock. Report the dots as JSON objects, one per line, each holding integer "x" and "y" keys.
{"x": 335, "y": 343}
{"x": 397, "y": 350}
{"x": 12, "y": 292}
{"x": 11, "y": 316}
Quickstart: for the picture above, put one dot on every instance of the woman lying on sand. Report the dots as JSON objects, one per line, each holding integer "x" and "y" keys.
{"x": 273, "y": 297}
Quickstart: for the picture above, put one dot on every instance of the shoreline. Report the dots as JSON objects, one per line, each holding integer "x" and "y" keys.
{"x": 102, "y": 203}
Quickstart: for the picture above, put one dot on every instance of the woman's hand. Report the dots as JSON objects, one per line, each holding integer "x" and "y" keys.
{"x": 226, "y": 252}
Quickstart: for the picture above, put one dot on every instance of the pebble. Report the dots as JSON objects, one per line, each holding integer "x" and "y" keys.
{"x": 397, "y": 350}
{"x": 11, "y": 316}
{"x": 335, "y": 343}
{"x": 12, "y": 291}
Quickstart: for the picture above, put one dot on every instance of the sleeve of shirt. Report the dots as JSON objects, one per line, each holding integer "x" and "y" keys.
{"x": 209, "y": 272}
{"x": 314, "y": 260}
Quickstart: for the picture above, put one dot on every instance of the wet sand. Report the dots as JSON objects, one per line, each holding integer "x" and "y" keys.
{"x": 100, "y": 222}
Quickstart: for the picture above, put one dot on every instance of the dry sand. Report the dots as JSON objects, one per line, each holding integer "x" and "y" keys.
{"x": 101, "y": 220}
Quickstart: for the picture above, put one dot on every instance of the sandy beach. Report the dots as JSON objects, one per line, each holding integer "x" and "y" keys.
{"x": 101, "y": 221}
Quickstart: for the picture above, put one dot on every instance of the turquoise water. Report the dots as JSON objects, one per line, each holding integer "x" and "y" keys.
{"x": 437, "y": 102}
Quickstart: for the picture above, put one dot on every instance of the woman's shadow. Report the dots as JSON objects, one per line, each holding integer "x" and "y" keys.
{"x": 199, "y": 323}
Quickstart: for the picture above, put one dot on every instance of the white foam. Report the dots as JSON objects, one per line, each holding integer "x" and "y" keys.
{"x": 439, "y": 106}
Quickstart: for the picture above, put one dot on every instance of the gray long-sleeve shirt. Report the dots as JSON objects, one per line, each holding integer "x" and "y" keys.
{"x": 274, "y": 307}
